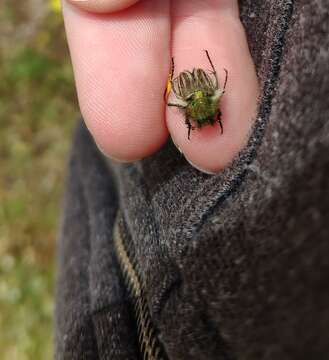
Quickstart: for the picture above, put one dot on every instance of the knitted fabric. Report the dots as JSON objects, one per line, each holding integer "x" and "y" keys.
{"x": 234, "y": 265}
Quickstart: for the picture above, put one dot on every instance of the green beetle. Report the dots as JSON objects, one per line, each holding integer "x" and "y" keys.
{"x": 198, "y": 94}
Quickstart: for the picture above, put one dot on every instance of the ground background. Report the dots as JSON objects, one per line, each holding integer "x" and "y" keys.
{"x": 37, "y": 112}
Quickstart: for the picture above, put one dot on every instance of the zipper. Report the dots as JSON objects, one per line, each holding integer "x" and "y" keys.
{"x": 149, "y": 344}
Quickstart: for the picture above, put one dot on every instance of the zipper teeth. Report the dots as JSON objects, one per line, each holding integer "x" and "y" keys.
{"x": 147, "y": 338}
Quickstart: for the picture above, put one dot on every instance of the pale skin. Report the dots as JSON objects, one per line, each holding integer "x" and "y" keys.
{"x": 121, "y": 53}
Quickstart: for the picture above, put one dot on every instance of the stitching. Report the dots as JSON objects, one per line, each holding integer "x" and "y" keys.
{"x": 250, "y": 152}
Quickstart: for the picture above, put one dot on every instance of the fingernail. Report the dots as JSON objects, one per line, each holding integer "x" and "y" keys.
{"x": 102, "y": 6}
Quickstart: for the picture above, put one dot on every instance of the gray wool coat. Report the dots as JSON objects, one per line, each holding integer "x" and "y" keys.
{"x": 159, "y": 261}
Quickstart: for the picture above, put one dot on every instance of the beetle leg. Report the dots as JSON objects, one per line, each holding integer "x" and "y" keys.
{"x": 172, "y": 68}
{"x": 219, "y": 119}
{"x": 178, "y": 103}
{"x": 189, "y": 127}
{"x": 181, "y": 105}
{"x": 169, "y": 82}
{"x": 225, "y": 82}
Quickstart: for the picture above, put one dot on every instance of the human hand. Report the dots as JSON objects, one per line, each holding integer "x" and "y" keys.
{"x": 121, "y": 53}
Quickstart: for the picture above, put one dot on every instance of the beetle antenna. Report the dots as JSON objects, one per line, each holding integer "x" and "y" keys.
{"x": 212, "y": 66}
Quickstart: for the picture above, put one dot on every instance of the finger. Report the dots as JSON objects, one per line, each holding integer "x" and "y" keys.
{"x": 120, "y": 64}
{"x": 102, "y": 6}
{"x": 214, "y": 25}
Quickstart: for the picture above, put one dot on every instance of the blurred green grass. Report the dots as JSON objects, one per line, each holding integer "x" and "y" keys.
{"x": 37, "y": 112}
